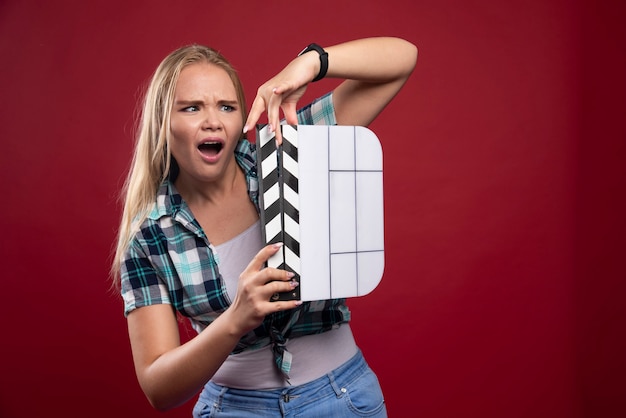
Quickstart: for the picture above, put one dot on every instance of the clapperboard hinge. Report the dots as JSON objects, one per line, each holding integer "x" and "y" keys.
{"x": 277, "y": 168}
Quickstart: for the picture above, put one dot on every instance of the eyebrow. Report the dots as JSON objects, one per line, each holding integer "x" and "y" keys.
{"x": 200, "y": 102}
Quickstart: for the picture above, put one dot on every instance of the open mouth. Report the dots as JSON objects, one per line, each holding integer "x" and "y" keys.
{"x": 210, "y": 149}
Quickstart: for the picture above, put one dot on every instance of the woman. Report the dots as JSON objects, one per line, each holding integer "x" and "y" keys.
{"x": 190, "y": 240}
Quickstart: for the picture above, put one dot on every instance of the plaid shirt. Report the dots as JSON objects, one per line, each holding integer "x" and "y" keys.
{"x": 170, "y": 260}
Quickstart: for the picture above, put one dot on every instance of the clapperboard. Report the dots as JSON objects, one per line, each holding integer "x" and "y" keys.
{"x": 321, "y": 195}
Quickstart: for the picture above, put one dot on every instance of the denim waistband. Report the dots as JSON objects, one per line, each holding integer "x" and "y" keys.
{"x": 331, "y": 383}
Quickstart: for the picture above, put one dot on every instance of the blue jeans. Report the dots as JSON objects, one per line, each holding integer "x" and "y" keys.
{"x": 351, "y": 390}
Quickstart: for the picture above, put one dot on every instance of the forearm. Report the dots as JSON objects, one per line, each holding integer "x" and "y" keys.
{"x": 170, "y": 373}
{"x": 372, "y": 60}
{"x": 179, "y": 373}
{"x": 374, "y": 70}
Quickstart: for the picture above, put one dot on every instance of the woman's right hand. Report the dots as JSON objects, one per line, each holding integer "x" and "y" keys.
{"x": 170, "y": 373}
{"x": 256, "y": 286}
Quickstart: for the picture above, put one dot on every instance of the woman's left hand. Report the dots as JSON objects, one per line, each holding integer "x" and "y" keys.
{"x": 282, "y": 92}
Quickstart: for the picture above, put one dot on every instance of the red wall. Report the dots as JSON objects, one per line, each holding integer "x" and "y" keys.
{"x": 504, "y": 193}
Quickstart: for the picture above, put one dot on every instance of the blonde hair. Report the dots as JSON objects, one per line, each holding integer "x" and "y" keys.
{"x": 152, "y": 160}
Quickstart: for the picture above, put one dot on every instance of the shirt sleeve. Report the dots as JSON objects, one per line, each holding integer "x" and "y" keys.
{"x": 319, "y": 112}
{"x": 141, "y": 284}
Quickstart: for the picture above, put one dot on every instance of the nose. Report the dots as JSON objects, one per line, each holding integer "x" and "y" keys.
{"x": 211, "y": 121}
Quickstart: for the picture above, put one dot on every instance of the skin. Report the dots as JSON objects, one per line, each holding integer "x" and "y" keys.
{"x": 367, "y": 88}
{"x": 205, "y": 109}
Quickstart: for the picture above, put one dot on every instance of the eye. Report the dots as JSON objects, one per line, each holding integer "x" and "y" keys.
{"x": 193, "y": 108}
{"x": 227, "y": 108}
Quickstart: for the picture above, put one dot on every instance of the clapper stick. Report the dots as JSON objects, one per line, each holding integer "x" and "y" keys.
{"x": 279, "y": 201}
{"x": 321, "y": 195}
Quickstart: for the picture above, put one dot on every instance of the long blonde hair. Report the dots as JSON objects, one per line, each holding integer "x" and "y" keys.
{"x": 152, "y": 160}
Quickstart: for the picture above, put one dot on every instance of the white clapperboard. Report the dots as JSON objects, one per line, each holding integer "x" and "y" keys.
{"x": 321, "y": 195}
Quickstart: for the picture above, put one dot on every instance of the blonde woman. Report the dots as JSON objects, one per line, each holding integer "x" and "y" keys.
{"x": 190, "y": 240}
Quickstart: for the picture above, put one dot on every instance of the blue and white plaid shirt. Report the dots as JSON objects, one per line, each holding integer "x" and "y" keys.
{"x": 170, "y": 260}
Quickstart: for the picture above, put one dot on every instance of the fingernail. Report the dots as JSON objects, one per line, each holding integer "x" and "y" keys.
{"x": 277, "y": 244}
{"x": 298, "y": 303}
{"x": 294, "y": 284}
{"x": 245, "y": 129}
{"x": 290, "y": 274}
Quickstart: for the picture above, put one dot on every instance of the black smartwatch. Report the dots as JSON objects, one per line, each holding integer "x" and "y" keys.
{"x": 323, "y": 59}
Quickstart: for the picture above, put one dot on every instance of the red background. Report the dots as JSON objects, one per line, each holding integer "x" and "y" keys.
{"x": 504, "y": 196}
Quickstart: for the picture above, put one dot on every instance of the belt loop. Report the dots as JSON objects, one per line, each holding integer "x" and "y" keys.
{"x": 339, "y": 391}
{"x": 220, "y": 398}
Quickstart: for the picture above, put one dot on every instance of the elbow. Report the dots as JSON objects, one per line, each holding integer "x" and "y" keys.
{"x": 414, "y": 54}
{"x": 161, "y": 403}
{"x": 403, "y": 55}
{"x": 409, "y": 51}
{"x": 163, "y": 398}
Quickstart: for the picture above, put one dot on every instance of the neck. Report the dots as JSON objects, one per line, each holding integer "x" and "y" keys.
{"x": 210, "y": 192}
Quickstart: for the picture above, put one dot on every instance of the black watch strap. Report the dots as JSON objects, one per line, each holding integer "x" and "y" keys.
{"x": 323, "y": 59}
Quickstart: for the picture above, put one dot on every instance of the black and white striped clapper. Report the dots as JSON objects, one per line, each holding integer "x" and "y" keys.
{"x": 278, "y": 197}
{"x": 321, "y": 195}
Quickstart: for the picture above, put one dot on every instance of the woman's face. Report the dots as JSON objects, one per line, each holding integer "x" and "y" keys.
{"x": 206, "y": 123}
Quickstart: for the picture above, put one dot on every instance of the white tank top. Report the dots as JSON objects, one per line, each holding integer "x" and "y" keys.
{"x": 313, "y": 355}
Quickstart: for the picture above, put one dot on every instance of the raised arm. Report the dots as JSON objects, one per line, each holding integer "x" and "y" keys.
{"x": 374, "y": 69}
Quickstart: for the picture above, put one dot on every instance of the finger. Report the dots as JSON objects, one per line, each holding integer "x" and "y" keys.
{"x": 275, "y": 287}
{"x": 273, "y": 115}
{"x": 281, "y": 287}
{"x": 289, "y": 109}
{"x": 256, "y": 110}
{"x": 273, "y": 275}
{"x": 279, "y": 137}
{"x": 286, "y": 305}
{"x": 260, "y": 258}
